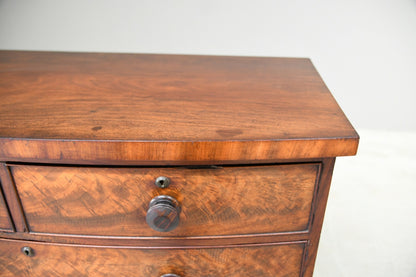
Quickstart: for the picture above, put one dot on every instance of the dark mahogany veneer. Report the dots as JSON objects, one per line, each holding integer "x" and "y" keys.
{"x": 164, "y": 165}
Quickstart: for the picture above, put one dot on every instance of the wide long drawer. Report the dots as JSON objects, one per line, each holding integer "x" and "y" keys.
{"x": 213, "y": 201}
{"x": 18, "y": 258}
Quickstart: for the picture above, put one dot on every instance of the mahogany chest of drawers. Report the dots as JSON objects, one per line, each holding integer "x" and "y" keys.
{"x": 164, "y": 165}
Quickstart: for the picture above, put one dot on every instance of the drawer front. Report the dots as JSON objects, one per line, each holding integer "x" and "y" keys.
{"x": 67, "y": 260}
{"x": 214, "y": 201}
{"x": 5, "y": 224}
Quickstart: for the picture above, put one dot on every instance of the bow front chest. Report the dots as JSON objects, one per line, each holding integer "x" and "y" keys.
{"x": 164, "y": 165}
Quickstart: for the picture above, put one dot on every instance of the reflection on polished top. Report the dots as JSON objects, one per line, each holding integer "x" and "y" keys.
{"x": 210, "y": 104}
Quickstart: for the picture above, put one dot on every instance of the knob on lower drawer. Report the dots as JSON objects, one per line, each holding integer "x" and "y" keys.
{"x": 163, "y": 213}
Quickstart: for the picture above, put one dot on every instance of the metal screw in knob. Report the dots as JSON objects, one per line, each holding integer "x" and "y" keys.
{"x": 28, "y": 251}
{"x": 170, "y": 275}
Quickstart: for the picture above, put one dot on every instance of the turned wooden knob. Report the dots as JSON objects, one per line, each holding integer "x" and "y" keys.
{"x": 163, "y": 213}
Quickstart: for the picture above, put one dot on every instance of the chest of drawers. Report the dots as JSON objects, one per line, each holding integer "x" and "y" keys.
{"x": 164, "y": 165}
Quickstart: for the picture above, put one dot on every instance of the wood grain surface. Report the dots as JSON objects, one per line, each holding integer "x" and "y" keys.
{"x": 215, "y": 201}
{"x": 134, "y": 107}
{"x": 318, "y": 215}
{"x": 12, "y": 199}
{"x": 70, "y": 260}
{"x": 5, "y": 222}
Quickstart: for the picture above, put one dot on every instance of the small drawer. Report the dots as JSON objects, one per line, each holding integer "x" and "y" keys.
{"x": 215, "y": 201}
{"x": 20, "y": 258}
{"x": 5, "y": 223}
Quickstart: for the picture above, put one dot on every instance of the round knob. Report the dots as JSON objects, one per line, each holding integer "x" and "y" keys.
{"x": 163, "y": 213}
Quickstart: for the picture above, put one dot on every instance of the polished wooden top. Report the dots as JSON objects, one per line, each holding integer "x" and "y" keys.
{"x": 189, "y": 108}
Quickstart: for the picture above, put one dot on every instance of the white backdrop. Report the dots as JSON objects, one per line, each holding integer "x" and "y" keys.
{"x": 365, "y": 51}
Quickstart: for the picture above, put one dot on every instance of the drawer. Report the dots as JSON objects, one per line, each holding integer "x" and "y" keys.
{"x": 72, "y": 260}
{"x": 213, "y": 201}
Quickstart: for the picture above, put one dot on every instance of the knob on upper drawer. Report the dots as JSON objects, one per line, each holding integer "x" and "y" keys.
{"x": 163, "y": 213}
